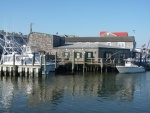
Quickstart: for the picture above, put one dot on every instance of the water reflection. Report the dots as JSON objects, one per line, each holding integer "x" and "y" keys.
{"x": 53, "y": 90}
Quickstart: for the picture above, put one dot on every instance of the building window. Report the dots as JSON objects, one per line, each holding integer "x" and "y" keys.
{"x": 66, "y": 54}
{"x": 121, "y": 44}
{"x": 108, "y": 55}
{"x": 89, "y": 55}
{"x": 78, "y": 55}
{"x": 122, "y": 55}
{"x": 108, "y": 43}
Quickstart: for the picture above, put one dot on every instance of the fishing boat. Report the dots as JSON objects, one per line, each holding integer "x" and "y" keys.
{"x": 130, "y": 67}
{"x": 13, "y": 53}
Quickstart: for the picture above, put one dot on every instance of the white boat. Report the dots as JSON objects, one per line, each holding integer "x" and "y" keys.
{"x": 23, "y": 55}
{"x": 130, "y": 67}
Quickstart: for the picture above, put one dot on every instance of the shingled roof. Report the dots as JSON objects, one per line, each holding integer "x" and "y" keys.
{"x": 79, "y": 46}
{"x": 101, "y": 39}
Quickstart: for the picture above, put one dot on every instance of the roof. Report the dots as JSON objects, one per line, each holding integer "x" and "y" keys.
{"x": 120, "y": 34}
{"x": 82, "y": 46}
{"x": 38, "y": 33}
{"x": 100, "y": 39}
{"x": 45, "y": 34}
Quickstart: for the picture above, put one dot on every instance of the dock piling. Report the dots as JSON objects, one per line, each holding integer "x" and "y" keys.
{"x": 44, "y": 64}
{"x": 73, "y": 61}
{"x": 55, "y": 60}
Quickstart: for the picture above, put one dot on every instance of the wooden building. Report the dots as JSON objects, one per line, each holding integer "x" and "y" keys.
{"x": 118, "y": 42}
{"x": 87, "y": 47}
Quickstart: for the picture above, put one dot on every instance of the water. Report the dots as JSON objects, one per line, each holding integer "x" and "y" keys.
{"x": 88, "y": 93}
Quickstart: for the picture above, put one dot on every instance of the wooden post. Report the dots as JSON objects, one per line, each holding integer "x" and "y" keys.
{"x": 33, "y": 59}
{"x": 4, "y": 69}
{"x": 73, "y": 61}
{"x": 31, "y": 72}
{"x": 101, "y": 65}
{"x": 14, "y": 68}
{"x": 140, "y": 59}
{"x": 84, "y": 62}
{"x": 55, "y": 60}
{"x": 21, "y": 61}
{"x": 26, "y": 71}
{"x": 106, "y": 66}
{"x": 41, "y": 63}
{"x": 44, "y": 64}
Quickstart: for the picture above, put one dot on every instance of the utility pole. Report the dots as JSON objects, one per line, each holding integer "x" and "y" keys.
{"x": 31, "y": 27}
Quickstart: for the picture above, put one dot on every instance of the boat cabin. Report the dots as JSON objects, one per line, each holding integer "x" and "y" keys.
{"x": 29, "y": 49}
{"x": 129, "y": 62}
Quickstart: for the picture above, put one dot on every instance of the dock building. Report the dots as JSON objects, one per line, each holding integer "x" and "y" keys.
{"x": 94, "y": 47}
{"x": 81, "y": 50}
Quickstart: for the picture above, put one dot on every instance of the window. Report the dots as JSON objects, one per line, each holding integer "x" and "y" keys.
{"x": 108, "y": 55}
{"x": 78, "y": 55}
{"x": 122, "y": 55}
{"x": 66, "y": 54}
{"x": 109, "y": 43}
{"x": 89, "y": 55}
{"x": 121, "y": 44}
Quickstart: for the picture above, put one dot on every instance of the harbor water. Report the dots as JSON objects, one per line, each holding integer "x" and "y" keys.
{"x": 78, "y": 93}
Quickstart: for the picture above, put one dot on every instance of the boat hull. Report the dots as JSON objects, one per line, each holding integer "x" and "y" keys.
{"x": 49, "y": 68}
{"x": 125, "y": 69}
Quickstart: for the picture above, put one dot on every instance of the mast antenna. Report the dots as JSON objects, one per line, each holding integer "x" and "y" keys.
{"x": 31, "y": 27}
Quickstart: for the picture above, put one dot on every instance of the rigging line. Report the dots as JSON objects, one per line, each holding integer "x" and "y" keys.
{"x": 23, "y": 39}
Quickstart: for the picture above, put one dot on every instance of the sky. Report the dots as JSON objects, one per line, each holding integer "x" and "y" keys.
{"x": 77, "y": 17}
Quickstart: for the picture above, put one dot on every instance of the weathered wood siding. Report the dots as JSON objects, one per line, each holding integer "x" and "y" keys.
{"x": 115, "y": 52}
{"x": 128, "y": 45}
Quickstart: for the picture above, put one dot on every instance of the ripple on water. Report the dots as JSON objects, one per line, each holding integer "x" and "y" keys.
{"x": 93, "y": 92}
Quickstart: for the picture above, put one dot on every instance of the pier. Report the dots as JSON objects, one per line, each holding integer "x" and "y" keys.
{"x": 62, "y": 65}
{"x": 24, "y": 70}
{"x": 86, "y": 65}
{"x": 15, "y": 68}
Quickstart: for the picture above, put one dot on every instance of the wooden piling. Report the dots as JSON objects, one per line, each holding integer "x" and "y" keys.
{"x": 106, "y": 66}
{"x": 84, "y": 62}
{"x": 14, "y": 67}
{"x": 33, "y": 59}
{"x": 41, "y": 64}
{"x": 73, "y": 61}
{"x": 44, "y": 64}
{"x": 55, "y": 60}
{"x": 101, "y": 64}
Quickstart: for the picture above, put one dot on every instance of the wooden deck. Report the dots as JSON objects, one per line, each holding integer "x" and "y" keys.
{"x": 87, "y": 64}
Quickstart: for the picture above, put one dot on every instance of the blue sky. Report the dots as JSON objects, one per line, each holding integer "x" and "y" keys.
{"x": 78, "y": 17}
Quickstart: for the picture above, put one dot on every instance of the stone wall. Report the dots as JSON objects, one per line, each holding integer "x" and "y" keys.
{"x": 45, "y": 42}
